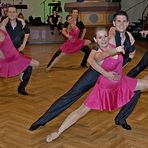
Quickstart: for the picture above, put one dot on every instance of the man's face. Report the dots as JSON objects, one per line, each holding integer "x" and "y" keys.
{"x": 75, "y": 13}
{"x": 121, "y": 23}
{"x": 12, "y": 13}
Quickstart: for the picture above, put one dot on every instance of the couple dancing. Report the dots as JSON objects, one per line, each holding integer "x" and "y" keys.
{"x": 117, "y": 90}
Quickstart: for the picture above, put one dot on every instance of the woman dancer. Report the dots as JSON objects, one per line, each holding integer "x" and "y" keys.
{"x": 12, "y": 63}
{"x": 108, "y": 93}
{"x": 72, "y": 44}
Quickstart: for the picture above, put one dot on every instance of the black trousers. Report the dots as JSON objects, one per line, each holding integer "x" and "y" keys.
{"x": 59, "y": 26}
{"x": 26, "y": 78}
{"x": 140, "y": 66}
{"x": 86, "y": 81}
{"x": 128, "y": 108}
{"x": 85, "y": 49}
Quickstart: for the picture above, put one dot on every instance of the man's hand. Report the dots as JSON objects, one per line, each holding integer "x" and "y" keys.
{"x": 120, "y": 49}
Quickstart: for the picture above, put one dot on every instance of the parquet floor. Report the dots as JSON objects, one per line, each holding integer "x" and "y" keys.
{"x": 96, "y": 130}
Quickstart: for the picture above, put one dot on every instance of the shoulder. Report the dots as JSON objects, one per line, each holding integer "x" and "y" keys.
{"x": 79, "y": 21}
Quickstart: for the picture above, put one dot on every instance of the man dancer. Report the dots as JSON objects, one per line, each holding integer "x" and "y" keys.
{"x": 19, "y": 34}
{"x": 80, "y": 25}
{"x": 140, "y": 66}
{"x": 89, "y": 78}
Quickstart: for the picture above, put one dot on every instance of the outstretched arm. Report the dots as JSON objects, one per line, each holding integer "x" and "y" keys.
{"x": 96, "y": 58}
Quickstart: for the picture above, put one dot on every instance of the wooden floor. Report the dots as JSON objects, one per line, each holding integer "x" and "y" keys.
{"x": 96, "y": 130}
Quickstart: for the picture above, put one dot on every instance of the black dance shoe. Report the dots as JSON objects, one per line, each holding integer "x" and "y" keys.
{"x": 125, "y": 126}
{"x": 84, "y": 66}
{"x": 35, "y": 126}
{"x": 23, "y": 92}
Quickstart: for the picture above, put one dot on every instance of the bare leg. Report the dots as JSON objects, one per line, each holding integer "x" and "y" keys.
{"x": 34, "y": 63}
{"x": 69, "y": 121}
{"x": 142, "y": 84}
{"x": 55, "y": 61}
{"x": 87, "y": 42}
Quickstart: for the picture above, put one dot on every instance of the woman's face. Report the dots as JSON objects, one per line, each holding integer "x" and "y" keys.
{"x": 102, "y": 38}
{"x": 70, "y": 20}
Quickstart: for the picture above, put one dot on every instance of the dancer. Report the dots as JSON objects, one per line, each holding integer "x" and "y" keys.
{"x": 107, "y": 94}
{"x": 12, "y": 63}
{"x": 88, "y": 79}
{"x": 19, "y": 34}
{"x": 72, "y": 44}
{"x": 140, "y": 66}
{"x": 80, "y": 25}
{"x": 143, "y": 62}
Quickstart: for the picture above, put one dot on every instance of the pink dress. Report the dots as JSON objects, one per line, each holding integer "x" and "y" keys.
{"x": 71, "y": 47}
{"x": 109, "y": 94}
{"x": 14, "y": 62}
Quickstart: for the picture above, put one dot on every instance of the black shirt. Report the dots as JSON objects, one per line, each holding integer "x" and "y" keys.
{"x": 54, "y": 18}
{"x": 127, "y": 46}
{"x": 17, "y": 34}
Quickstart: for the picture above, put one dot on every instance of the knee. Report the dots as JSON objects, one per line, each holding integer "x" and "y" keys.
{"x": 37, "y": 63}
{"x": 82, "y": 111}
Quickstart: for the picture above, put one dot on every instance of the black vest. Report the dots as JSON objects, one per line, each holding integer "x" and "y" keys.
{"x": 127, "y": 46}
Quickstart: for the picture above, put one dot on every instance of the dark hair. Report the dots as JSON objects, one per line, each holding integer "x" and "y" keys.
{"x": 75, "y": 8}
{"x": 120, "y": 13}
{"x": 21, "y": 14}
{"x": 68, "y": 16}
{"x": 12, "y": 6}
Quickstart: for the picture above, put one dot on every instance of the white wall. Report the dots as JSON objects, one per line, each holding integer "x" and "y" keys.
{"x": 35, "y": 8}
{"x": 135, "y": 12}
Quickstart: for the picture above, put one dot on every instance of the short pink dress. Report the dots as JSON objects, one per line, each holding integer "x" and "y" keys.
{"x": 110, "y": 94}
{"x": 71, "y": 47}
{"x": 14, "y": 62}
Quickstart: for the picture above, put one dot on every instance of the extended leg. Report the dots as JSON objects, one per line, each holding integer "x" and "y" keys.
{"x": 139, "y": 67}
{"x": 54, "y": 59}
{"x": 86, "y": 81}
{"x": 69, "y": 121}
{"x": 87, "y": 51}
{"x": 25, "y": 80}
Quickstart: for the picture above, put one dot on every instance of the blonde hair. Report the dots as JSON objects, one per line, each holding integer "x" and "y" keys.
{"x": 100, "y": 28}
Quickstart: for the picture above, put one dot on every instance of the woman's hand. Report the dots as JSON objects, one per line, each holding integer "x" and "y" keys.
{"x": 1, "y": 55}
{"x": 71, "y": 38}
{"x": 112, "y": 76}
